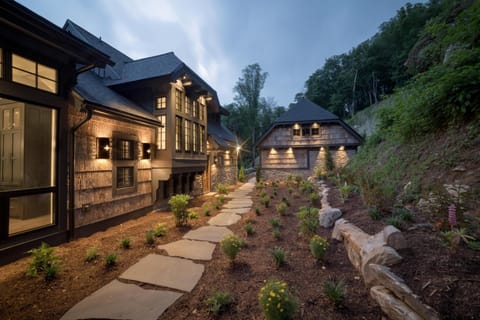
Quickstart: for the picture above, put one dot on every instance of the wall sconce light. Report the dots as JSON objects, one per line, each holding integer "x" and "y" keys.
{"x": 215, "y": 159}
{"x": 146, "y": 150}
{"x": 341, "y": 148}
{"x": 103, "y": 148}
{"x": 238, "y": 148}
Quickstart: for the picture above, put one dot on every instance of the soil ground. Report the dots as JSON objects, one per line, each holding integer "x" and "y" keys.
{"x": 448, "y": 281}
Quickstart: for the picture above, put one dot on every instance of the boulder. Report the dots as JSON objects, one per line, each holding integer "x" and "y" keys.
{"x": 329, "y": 216}
{"x": 394, "y": 308}
{"x": 382, "y": 275}
{"x": 394, "y": 238}
{"x": 383, "y": 255}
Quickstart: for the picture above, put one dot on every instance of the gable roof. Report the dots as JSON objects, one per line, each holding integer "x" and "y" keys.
{"x": 305, "y": 111}
{"x": 224, "y": 137}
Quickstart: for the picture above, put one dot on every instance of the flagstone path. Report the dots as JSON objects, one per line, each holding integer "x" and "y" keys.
{"x": 173, "y": 274}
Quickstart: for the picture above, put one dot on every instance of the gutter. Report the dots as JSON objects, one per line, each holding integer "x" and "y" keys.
{"x": 71, "y": 173}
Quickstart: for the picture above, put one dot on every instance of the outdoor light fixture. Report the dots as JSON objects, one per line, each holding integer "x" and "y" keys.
{"x": 146, "y": 150}
{"x": 103, "y": 148}
{"x": 341, "y": 148}
{"x": 215, "y": 159}
{"x": 238, "y": 148}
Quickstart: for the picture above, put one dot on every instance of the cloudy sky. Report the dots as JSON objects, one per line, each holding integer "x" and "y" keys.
{"x": 290, "y": 39}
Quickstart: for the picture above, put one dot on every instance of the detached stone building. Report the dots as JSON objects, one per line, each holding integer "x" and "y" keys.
{"x": 298, "y": 140}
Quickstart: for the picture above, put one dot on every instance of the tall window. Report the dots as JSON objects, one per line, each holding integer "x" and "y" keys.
{"x": 33, "y": 74}
{"x": 296, "y": 132}
{"x": 125, "y": 178}
{"x": 125, "y": 149}
{"x": 162, "y": 133}
{"x": 188, "y": 105}
{"x": 195, "y": 109}
{"x": 315, "y": 131}
{"x": 195, "y": 136}
{"x": 178, "y": 100}
{"x": 178, "y": 134}
{"x": 202, "y": 112}
{"x": 202, "y": 139}
{"x": 188, "y": 136}
{"x": 161, "y": 103}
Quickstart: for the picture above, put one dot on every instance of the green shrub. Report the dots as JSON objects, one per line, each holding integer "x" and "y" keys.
{"x": 290, "y": 190}
{"x": 276, "y": 301}
{"x": 329, "y": 164}
{"x": 335, "y": 292}
{"x": 276, "y": 233}
{"x": 279, "y": 256}
{"x": 309, "y": 221}
{"x": 178, "y": 203}
{"x": 275, "y": 222}
{"x": 43, "y": 261}
{"x": 318, "y": 247}
{"x": 192, "y": 215}
{"x": 92, "y": 254}
{"x": 111, "y": 260}
{"x": 206, "y": 211}
{"x": 282, "y": 208}
{"x": 248, "y": 228}
{"x": 125, "y": 243}
{"x": 374, "y": 213}
{"x": 285, "y": 200}
{"x": 307, "y": 187}
{"x": 258, "y": 212}
{"x": 230, "y": 246}
{"x": 298, "y": 178}
{"x": 160, "y": 229}
{"x": 403, "y": 213}
{"x": 314, "y": 198}
{"x": 258, "y": 174}
{"x": 265, "y": 201}
{"x": 150, "y": 237}
{"x": 263, "y": 193}
{"x": 241, "y": 174}
{"x": 395, "y": 221}
{"x": 222, "y": 188}
{"x": 219, "y": 301}
{"x": 345, "y": 191}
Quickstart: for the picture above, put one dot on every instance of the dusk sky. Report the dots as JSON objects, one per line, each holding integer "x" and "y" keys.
{"x": 217, "y": 39}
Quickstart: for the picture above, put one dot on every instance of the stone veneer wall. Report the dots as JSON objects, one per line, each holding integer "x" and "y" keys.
{"x": 223, "y": 174}
{"x": 94, "y": 195}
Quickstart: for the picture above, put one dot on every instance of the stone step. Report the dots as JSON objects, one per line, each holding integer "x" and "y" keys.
{"x": 190, "y": 249}
{"x": 208, "y": 233}
{"x": 224, "y": 219}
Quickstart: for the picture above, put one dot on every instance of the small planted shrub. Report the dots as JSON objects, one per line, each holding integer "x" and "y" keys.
{"x": 258, "y": 174}
{"x": 345, "y": 191}
{"x": 43, "y": 261}
{"x": 263, "y": 194}
{"x": 150, "y": 237}
{"x": 206, "y": 211}
{"x": 374, "y": 213}
{"x": 248, "y": 228}
{"x": 275, "y": 222}
{"x": 276, "y": 233}
{"x": 219, "y": 301}
{"x": 160, "y": 230}
{"x": 258, "y": 212}
{"x": 111, "y": 260}
{"x": 230, "y": 246}
{"x": 395, "y": 221}
{"x": 279, "y": 256}
{"x": 318, "y": 247}
{"x": 314, "y": 198}
{"x": 335, "y": 292}
{"x": 125, "y": 243}
{"x": 192, "y": 215}
{"x": 265, "y": 201}
{"x": 285, "y": 200}
{"x": 309, "y": 222}
{"x": 241, "y": 174}
{"x": 290, "y": 190}
{"x": 219, "y": 201}
{"x": 276, "y": 301}
{"x": 307, "y": 187}
{"x": 92, "y": 254}
{"x": 403, "y": 213}
{"x": 222, "y": 188}
{"x": 455, "y": 236}
{"x": 178, "y": 204}
{"x": 282, "y": 208}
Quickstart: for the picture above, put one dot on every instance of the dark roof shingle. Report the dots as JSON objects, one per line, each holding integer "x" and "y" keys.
{"x": 305, "y": 111}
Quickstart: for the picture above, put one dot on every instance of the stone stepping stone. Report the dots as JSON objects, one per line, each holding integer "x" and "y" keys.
{"x": 236, "y": 210}
{"x": 171, "y": 272}
{"x": 224, "y": 219}
{"x": 119, "y": 300}
{"x": 208, "y": 233}
{"x": 236, "y": 205}
{"x": 190, "y": 249}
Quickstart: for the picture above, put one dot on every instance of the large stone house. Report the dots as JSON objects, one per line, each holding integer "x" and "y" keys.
{"x": 298, "y": 140}
{"x": 91, "y": 137}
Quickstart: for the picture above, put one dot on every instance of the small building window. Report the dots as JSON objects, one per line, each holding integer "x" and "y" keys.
{"x": 195, "y": 109}
{"x": 125, "y": 178}
{"x": 202, "y": 139}
{"x": 305, "y": 131}
{"x": 195, "y": 135}
{"x": 202, "y": 111}
{"x": 188, "y": 105}
{"x": 296, "y": 132}
{"x": 178, "y": 100}
{"x": 162, "y": 133}
{"x": 188, "y": 136}
{"x": 125, "y": 149}
{"x": 33, "y": 74}
{"x": 315, "y": 131}
{"x": 178, "y": 134}
{"x": 161, "y": 103}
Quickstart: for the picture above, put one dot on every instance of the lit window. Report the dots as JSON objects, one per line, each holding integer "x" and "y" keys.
{"x": 296, "y": 132}
{"x": 33, "y": 74}
{"x": 125, "y": 150}
{"x": 195, "y": 109}
{"x": 188, "y": 136}
{"x": 195, "y": 136}
{"x": 202, "y": 139}
{"x": 178, "y": 100}
{"x": 202, "y": 112}
{"x": 178, "y": 134}
{"x": 161, "y": 102}
{"x": 188, "y": 105}
{"x": 162, "y": 133}
{"x": 315, "y": 131}
{"x": 125, "y": 177}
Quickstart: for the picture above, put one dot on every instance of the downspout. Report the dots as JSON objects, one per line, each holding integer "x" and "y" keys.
{"x": 71, "y": 174}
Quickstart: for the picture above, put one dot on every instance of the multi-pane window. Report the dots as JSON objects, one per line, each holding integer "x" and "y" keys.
{"x": 196, "y": 134}
{"x": 161, "y": 103}
{"x": 202, "y": 112}
{"x": 202, "y": 139}
{"x": 188, "y": 136}
{"x": 188, "y": 105}
{"x": 305, "y": 131}
{"x": 315, "y": 131}
{"x": 296, "y": 132}
{"x": 178, "y": 134}
{"x": 125, "y": 149}
{"x": 125, "y": 177}
{"x": 162, "y": 133}
{"x": 195, "y": 109}
{"x": 33, "y": 74}
{"x": 178, "y": 100}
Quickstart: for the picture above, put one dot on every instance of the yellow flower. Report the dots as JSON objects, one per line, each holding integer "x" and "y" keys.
{"x": 279, "y": 305}
{"x": 281, "y": 310}
{"x": 282, "y": 290}
{"x": 272, "y": 293}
